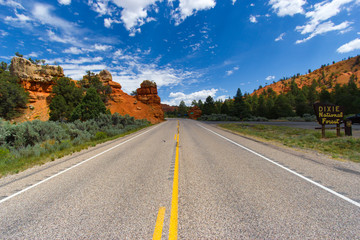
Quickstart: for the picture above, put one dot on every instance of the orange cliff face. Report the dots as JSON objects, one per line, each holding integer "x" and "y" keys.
{"x": 38, "y": 81}
{"x": 123, "y": 103}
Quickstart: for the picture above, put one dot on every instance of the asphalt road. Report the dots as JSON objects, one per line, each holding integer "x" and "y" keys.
{"x": 213, "y": 185}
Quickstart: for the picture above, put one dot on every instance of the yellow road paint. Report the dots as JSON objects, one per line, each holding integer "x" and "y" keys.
{"x": 175, "y": 137}
{"x": 159, "y": 224}
{"x": 174, "y": 202}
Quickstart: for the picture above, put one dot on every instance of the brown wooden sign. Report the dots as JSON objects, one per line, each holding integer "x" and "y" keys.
{"x": 329, "y": 114}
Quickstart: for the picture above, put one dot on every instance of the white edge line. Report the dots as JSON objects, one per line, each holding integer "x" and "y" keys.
{"x": 287, "y": 169}
{"x": 76, "y": 165}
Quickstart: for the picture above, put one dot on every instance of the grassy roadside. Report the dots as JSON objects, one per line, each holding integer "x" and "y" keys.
{"x": 16, "y": 165}
{"x": 340, "y": 148}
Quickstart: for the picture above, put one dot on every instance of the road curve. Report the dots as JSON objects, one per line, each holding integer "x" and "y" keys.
{"x": 229, "y": 187}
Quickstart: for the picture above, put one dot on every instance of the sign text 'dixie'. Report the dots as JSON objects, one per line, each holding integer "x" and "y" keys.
{"x": 328, "y": 114}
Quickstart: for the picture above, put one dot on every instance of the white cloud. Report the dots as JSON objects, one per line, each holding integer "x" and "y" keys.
{"x": 279, "y": 38}
{"x": 108, "y": 22}
{"x": 350, "y": 46}
{"x": 269, "y": 78}
{"x": 322, "y": 12}
{"x": 65, "y": 2}
{"x": 32, "y": 54}
{"x": 134, "y": 13}
{"x": 19, "y": 17}
{"x": 253, "y": 19}
{"x": 73, "y": 50}
{"x": 100, "y": 47}
{"x": 324, "y": 28}
{"x": 189, "y": 7}
{"x": 42, "y": 13}
{"x": 233, "y": 2}
{"x": 3, "y": 33}
{"x": 63, "y": 39}
{"x": 76, "y": 72}
{"x": 11, "y": 3}
{"x": 252, "y": 5}
{"x": 230, "y": 72}
{"x": 101, "y": 7}
{"x": 177, "y": 97}
{"x": 287, "y": 7}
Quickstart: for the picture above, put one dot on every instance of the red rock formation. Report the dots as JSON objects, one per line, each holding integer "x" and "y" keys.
{"x": 194, "y": 112}
{"x": 148, "y": 93}
{"x": 38, "y": 81}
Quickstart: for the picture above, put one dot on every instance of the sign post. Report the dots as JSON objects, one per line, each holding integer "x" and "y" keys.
{"x": 328, "y": 114}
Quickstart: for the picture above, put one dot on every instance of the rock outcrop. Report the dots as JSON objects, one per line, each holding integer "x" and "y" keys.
{"x": 147, "y": 93}
{"x": 39, "y": 80}
{"x": 194, "y": 113}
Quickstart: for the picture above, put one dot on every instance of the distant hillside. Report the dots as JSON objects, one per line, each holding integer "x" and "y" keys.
{"x": 326, "y": 77}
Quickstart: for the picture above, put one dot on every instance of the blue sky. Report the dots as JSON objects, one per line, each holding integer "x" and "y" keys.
{"x": 190, "y": 48}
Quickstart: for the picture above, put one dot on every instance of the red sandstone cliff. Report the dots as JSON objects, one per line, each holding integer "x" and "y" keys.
{"x": 38, "y": 81}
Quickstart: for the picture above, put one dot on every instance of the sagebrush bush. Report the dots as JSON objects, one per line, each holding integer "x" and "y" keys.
{"x": 35, "y": 138}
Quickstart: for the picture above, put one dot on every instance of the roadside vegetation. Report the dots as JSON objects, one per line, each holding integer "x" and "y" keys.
{"x": 27, "y": 144}
{"x": 293, "y": 103}
{"x": 340, "y": 148}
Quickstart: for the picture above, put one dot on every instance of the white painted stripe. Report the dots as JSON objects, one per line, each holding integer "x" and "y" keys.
{"x": 76, "y": 165}
{"x": 287, "y": 169}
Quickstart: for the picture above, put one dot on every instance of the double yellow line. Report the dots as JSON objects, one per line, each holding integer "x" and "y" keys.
{"x": 173, "y": 229}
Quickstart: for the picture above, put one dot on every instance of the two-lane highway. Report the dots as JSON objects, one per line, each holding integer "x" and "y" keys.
{"x": 224, "y": 186}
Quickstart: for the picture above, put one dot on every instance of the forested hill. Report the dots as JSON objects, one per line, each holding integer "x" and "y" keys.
{"x": 326, "y": 77}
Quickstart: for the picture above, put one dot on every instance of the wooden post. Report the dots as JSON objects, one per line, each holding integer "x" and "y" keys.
{"x": 338, "y": 130}
{"x": 323, "y": 131}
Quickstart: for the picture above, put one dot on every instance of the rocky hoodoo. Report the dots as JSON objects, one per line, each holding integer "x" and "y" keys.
{"x": 194, "y": 113}
{"x": 39, "y": 79}
{"x": 140, "y": 108}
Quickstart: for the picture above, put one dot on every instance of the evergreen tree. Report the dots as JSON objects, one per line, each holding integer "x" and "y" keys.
{"x": 209, "y": 106}
{"x": 65, "y": 97}
{"x": 261, "y": 109}
{"x": 240, "y": 108}
{"x": 282, "y": 107}
{"x": 90, "y": 80}
{"x": 13, "y": 97}
{"x": 182, "y": 109}
{"x": 325, "y": 97}
{"x": 225, "y": 108}
{"x": 90, "y": 107}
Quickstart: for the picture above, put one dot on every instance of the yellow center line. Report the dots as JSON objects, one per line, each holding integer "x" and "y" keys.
{"x": 174, "y": 202}
{"x": 159, "y": 224}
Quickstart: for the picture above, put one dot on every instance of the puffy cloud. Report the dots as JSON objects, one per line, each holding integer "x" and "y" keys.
{"x": 287, "y": 7}
{"x": 253, "y": 19}
{"x": 100, "y": 6}
{"x": 134, "y": 13}
{"x": 43, "y": 13}
{"x": 322, "y": 12}
{"x": 350, "y": 46}
{"x": 269, "y": 78}
{"x": 279, "y": 38}
{"x": 19, "y": 18}
{"x": 3, "y": 33}
{"x": 177, "y": 97}
{"x": 11, "y": 3}
{"x": 324, "y": 28}
{"x": 99, "y": 47}
{"x": 230, "y": 72}
{"x": 73, "y": 50}
{"x": 233, "y": 2}
{"x": 189, "y": 7}
{"x": 65, "y": 2}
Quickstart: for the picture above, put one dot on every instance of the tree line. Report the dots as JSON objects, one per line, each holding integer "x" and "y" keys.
{"x": 271, "y": 105}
